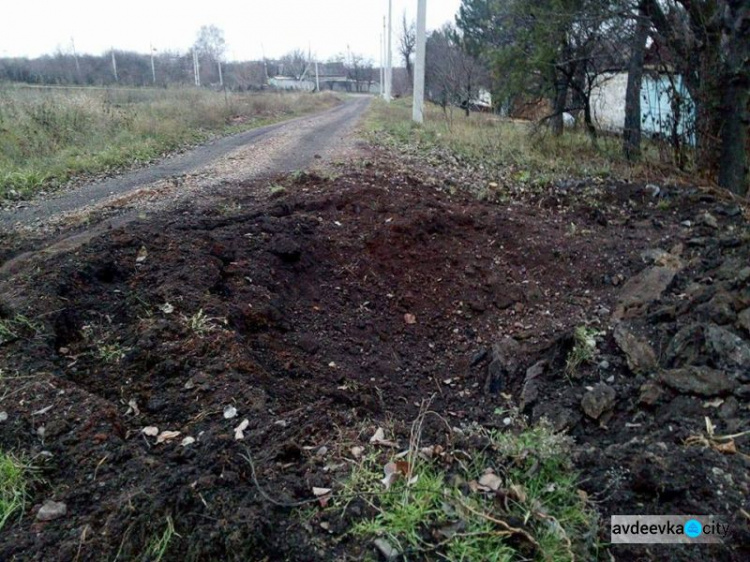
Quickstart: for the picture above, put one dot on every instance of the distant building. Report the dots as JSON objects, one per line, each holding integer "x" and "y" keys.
{"x": 666, "y": 105}
{"x": 333, "y": 76}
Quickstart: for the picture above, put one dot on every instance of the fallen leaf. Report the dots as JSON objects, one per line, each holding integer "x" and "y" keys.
{"x": 167, "y": 308}
{"x": 151, "y": 431}
{"x": 357, "y": 452}
{"x": 728, "y": 448}
{"x": 491, "y": 480}
{"x": 188, "y": 441}
{"x": 518, "y": 493}
{"x": 167, "y": 436}
{"x": 142, "y": 255}
{"x": 133, "y": 408}
{"x": 379, "y": 439}
{"x": 410, "y": 318}
{"x": 240, "y": 429}
{"x": 3, "y": 416}
{"x": 230, "y": 412}
{"x": 475, "y": 487}
{"x": 715, "y": 403}
{"x": 323, "y": 495}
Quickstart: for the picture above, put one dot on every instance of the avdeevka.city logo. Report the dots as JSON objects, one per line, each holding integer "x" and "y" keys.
{"x": 693, "y": 528}
{"x": 667, "y": 529}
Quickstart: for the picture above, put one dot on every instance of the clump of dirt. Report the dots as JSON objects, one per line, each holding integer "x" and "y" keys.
{"x": 337, "y": 304}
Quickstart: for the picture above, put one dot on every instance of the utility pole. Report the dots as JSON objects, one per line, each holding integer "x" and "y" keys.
{"x": 389, "y": 54}
{"x": 382, "y": 86}
{"x": 383, "y": 57}
{"x": 317, "y": 77}
{"x": 196, "y": 69}
{"x": 153, "y": 67}
{"x": 417, "y": 112}
{"x": 75, "y": 56}
{"x": 114, "y": 65}
{"x": 221, "y": 75}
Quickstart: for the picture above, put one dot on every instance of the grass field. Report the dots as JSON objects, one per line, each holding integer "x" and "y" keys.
{"x": 49, "y": 136}
{"x": 515, "y": 150}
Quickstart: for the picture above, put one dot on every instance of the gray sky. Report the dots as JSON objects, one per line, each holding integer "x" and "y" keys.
{"x": 36, "y": 27}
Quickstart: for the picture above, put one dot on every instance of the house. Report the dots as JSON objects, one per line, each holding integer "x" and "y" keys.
{"x": 666, "y": 105}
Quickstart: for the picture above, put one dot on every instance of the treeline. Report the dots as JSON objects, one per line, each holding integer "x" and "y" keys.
{"x": 554, "y": 53}
{"x": 127, "y": 68}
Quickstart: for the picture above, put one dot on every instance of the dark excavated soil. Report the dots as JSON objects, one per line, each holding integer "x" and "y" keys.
{"x": 292, "y": 308}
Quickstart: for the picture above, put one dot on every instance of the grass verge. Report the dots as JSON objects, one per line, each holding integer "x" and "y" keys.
{"x": 14, "y": 482}
{"x": 51, "y": 136}
{"x": 512, "y": 496}
{"x": 506, "y": 151}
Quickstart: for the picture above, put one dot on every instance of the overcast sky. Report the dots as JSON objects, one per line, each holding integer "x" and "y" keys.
{"x": 251, "y": 27}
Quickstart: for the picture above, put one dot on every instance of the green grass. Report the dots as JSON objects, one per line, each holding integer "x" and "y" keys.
{"x": 157, "y": 548}
{"x": 49, "y": 136}
{"x": 583, "y": 351}
{"x": 14, "y": 482}
{"x": 537, "y": 514}
{"x": 17, "y": 327}
{"x": 506, "y": 151}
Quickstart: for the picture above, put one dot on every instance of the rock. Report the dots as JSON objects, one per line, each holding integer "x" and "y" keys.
{"x": 743, "y": 320}
{"x": 743, "y": 392}
{"x": 530, "y": 391}
{"x": 707, "y": 219}
{"x": 718, "y": 310}
{"x": 51, "y": 510}
{"x": 729, "y": 408}
{"x": 387, "y": 551}
{"x": 657, "y": 256}
{"x": 728, "y": 346}
{"x": 642, "y": 290}
{"x": 744, "y": 275}
{"x": 286, "y": 248}
{"x": 598, "y": 401}
{"x": 505, "y": 364}
{"x": 686, "y": 346}
{"x": 639, "y": 354}
{"x": 651, "y": 393}
{"x": 703, "y": 381}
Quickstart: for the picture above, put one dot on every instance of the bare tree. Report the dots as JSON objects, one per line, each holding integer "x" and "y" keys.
{"x": 453, "y": 76}
{"x": 210, "y": 42}
{"x": 294, "y": 64}
{"x": 210, "y": 46}
{"x": 406, "y": 43}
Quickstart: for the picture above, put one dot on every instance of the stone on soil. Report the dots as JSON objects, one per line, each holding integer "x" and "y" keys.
{"x": 703, "y": 381}
{"x": 51, "y": 510}
{"x": 639, "y": 354}
{"x": 743, "y": 320}
{"x": 598, "y": 401}
{"x": 642, "y": 290}
{"x": 728, "y": 346}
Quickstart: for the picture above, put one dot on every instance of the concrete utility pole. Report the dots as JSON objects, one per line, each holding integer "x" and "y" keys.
{"x": 382, "y": 54}
{"x": 317, "y": 77}
{"x": 382, "y": 62}
{"x": 153, "y": 67}
{"x": 221, "y": 75}
{"x": 114, "y": 65}
{"x": 389, "y": 55}
{"x": 417, "y": 112}
{"x": 196, "y": 69}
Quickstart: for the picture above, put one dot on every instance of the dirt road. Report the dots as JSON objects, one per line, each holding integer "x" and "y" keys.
{"x": 270, "y": 150}
{"x": 66, "y": 220}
